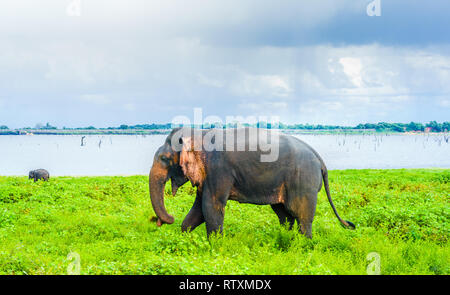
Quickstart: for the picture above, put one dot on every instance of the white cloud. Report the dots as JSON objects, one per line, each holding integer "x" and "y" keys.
{"x": 264, "y": 106}
{"x": 202, "y": 79}
{"x": 352, "y": 68}
{"x": 95, "y": 99}
{"x": 444, "y": 102}
{"x": 262, "y": 85}
{"x": 129, "y": 107}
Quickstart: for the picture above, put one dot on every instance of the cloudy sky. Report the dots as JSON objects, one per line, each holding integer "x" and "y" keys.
{"x": 144, "y": 61}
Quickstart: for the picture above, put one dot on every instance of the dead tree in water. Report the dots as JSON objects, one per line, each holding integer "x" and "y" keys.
{"x": 82, "y": 140}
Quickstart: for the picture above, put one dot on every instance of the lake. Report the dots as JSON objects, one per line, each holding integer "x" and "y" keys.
{"x": 133, "y": 154}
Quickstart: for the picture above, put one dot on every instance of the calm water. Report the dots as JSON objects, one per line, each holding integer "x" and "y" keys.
{"x": 133, "y": 155}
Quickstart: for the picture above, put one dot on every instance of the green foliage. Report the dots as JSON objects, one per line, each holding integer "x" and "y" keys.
{"x": 401, "y": 214}
{"x": 435, "y": 126}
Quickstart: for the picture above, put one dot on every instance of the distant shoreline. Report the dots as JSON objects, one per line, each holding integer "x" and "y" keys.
{"x": 85, "y": 132}
{"x": 31, "y": 132}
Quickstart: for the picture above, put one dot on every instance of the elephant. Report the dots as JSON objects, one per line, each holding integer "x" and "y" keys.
{"x": 289, "y": 184}
{"x": 39, "y": 174}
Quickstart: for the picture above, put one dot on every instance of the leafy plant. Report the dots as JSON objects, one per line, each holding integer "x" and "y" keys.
{"x": 401, "y": 214}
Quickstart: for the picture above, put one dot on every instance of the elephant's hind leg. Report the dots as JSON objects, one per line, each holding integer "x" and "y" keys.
{"x": 283, "y": 215}
{"x": 304, "y": 208}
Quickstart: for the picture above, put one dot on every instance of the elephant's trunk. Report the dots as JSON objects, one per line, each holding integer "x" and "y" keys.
{"x": 157, "y": 182}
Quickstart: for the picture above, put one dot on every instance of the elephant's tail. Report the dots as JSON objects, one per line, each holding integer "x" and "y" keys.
{"x": 345, "y": 223}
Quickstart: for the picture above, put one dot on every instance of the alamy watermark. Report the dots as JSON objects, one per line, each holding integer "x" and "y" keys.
{"x": 74, "y": 8}
{"x": 374, "y": 266}
{"x": 74, "y": 267}
{"x": 374, "y": 8}
{"x": 228, "y": 139}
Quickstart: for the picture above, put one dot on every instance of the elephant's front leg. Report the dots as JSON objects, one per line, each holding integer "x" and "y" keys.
{"x": 213, "y": 207}
{"x": 195, "y": 215}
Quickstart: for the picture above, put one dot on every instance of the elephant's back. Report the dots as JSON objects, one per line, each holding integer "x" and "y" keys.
{"x": 42, "y": 172}
{"x": 305, "y": 157}
{"x": 303, "y": 148}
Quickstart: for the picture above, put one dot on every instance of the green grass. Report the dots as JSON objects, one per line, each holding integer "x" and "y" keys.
{"x": 403, "y": 215}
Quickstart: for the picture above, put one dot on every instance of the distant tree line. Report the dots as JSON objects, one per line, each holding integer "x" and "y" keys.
{"x": 145, "y": 126}
{"x": 40, "y": 126}
{"x": 431, "y": 126}
{"x": 402, "y": 127}
{"x": 80, "y": 128}
{"x": 381, "y": 126}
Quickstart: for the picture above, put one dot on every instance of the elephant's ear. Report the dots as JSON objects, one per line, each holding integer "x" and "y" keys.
{"x": 192, "y": 160}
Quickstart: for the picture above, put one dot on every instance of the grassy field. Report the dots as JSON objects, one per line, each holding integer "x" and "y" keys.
{"x": 403, "y": 215}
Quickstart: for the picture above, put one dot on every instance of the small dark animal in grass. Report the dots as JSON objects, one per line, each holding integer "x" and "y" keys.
{"x": 39, "y": 174}
{"x": 290, "y": 184}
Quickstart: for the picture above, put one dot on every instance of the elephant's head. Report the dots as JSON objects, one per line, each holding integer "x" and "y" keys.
{"x": 31, "y": 175}
{"x": 166, "y": 165}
